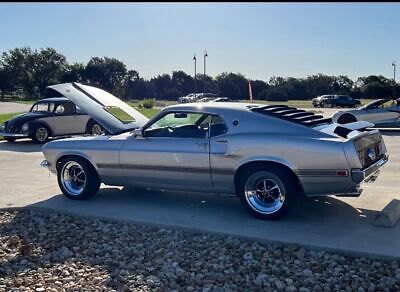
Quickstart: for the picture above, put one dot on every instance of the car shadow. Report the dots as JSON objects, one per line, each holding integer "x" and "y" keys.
{"x": 24, "y": 145}
{"x": 201, "y": 210}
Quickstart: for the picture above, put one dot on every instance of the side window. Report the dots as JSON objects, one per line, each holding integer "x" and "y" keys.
{"x": 178, "y": 125}
{"x": 217, "y": 126}
{"x": 41, "y": 107}
{"x": 59, "y": 109}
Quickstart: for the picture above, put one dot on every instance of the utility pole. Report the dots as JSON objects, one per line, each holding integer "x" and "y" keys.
{"x": 204, "y": 76}
{"x": 195, "y": 90}
{"x": 394, "y": 78}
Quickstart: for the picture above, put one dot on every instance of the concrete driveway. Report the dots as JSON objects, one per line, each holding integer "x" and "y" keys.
{"x": 329, "y": 223}
{"x": 13, "y": 107}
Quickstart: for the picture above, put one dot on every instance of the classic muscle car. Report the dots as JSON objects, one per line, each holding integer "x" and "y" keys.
{"x": 49, "y": 117}
{"x": 266, "y": 154}
{"x": 383, "y": 113}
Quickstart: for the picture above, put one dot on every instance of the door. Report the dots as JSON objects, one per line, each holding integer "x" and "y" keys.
{"x": 66, "y": 121}
{"x": 174, "y": 151}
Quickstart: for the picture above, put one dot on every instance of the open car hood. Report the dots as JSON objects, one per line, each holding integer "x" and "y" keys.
{"x": 114, "y": 115}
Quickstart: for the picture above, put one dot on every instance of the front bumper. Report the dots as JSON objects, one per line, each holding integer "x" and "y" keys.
{"x": 369, "y": 173}
{"x": 14, "y": 135}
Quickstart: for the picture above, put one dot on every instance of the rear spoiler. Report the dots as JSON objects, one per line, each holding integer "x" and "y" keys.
{"x": 348, "y": 131}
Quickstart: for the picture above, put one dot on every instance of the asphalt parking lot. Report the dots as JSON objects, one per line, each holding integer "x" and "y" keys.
{"x": 13, "y": 107}
{"x": 343, "y": 224}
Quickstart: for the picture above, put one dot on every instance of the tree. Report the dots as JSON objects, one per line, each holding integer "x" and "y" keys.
{"x": 48, "y": 68}
{"x": 18, "y": 63}
{"x": 183, "y": 82}
{"x": 106, "y": 73}
{"x": 135, "y": 86}
{"x": 6, "y": 81}
{"x": 234, "y": 86}
{"x": 258, "y": 86}
{"x": 74, "y": 73}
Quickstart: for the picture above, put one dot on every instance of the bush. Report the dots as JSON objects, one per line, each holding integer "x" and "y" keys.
{"x": 148, "y": 103}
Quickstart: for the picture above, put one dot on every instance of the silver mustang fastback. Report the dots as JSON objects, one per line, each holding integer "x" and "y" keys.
{"x": 266, "y": 154}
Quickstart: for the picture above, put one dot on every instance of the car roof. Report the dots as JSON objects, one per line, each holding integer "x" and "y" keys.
{"x": 212, "y": 107}
{"x": 54, "y": 99}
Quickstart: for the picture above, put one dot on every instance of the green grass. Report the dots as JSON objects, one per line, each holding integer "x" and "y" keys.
{"x": 148, "y": 112}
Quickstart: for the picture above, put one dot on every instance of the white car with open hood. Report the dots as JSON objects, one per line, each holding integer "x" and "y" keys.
{"x": 266, "y": 154}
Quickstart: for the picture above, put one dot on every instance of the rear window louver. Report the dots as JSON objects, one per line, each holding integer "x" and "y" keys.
{"x": 292, "y": 114}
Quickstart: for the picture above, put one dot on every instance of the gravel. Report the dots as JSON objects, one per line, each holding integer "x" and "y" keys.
{"x": 48, "y": 251}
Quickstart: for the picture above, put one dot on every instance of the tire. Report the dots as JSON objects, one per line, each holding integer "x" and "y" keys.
{"x": 346, "y": 119}
{"x": 40, "y": 134}
{"x": 93, "y": 128}
{"x": 77, "y": 178}
{"x": 9, "y": 139}
{"x": 264, "y": 204}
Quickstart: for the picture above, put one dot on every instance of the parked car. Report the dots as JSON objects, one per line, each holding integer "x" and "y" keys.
{"x": 383, "y": 113}
{"x": 335, "y": 101}
{"x": 221, "y": 99}
{"x": 50, "y": 117}
{"x": 266, "y": 154}
{"x": 193, "y": 97}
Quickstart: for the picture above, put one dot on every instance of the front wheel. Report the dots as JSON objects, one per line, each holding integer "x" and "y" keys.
{"x": 9, "y": 139}
{"x": 267, "y": 194}
{"x": 94, "y": 129}
{"x": 77, "y": 179}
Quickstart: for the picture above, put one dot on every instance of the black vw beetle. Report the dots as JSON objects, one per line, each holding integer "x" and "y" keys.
{"x": 49, "y": 117}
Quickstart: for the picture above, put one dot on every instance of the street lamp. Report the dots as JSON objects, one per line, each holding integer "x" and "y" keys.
{"x": 204, "y": 76}
{"x": 194, "y": 58}
{"x": 394, "y": 77}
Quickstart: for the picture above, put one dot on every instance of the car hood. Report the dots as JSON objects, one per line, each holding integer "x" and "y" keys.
{"x": 114, "y": 115}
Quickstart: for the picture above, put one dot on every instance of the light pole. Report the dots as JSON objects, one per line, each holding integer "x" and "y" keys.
{"x": 194, "y": 58}
{"x": 394, "y": 77}
{"x": 204, "y": 76}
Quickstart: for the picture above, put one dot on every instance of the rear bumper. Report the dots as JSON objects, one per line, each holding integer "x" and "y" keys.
{"x": 367, "y": 174}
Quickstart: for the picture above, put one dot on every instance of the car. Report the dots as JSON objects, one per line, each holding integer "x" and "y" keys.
{"x": 194, "y": 97}
{"x": 221, "y": 99}
{"x": 383, "y": 113}
{"x": 268, "y": 155}
{"x": 49, "y": 117}
{"x": 335, "y": 101}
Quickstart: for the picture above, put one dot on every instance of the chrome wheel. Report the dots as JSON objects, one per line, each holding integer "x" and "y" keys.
{"x": 41, "y": 134}
{"x": 264, "y": 192}
{"x": 96, "y": 129}
{"x": 73, "y": 178}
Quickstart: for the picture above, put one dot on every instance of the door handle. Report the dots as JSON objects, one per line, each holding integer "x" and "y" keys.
{"x": 221, "y": 141}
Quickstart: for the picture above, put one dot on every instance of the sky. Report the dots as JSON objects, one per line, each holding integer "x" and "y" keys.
{"x": 259, "y": 40}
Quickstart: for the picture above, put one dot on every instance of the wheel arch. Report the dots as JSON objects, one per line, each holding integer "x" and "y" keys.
{"x": 346, "y": 117}
{"x": 76, "y": 155}
{"x": 35, "y": 124}
{"x": 266, "y": 163}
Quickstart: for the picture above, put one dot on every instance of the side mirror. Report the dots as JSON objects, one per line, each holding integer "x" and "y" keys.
{"x": 138, "y": 133}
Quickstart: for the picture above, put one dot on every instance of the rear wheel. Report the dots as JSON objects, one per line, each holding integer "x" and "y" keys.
{"x": 41, "y": 134}
{"x": 77, "y": 178}
{"x": 93, "y": 128}
{"x": 267, "y": 193}
{"x": 346, "y": 119}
